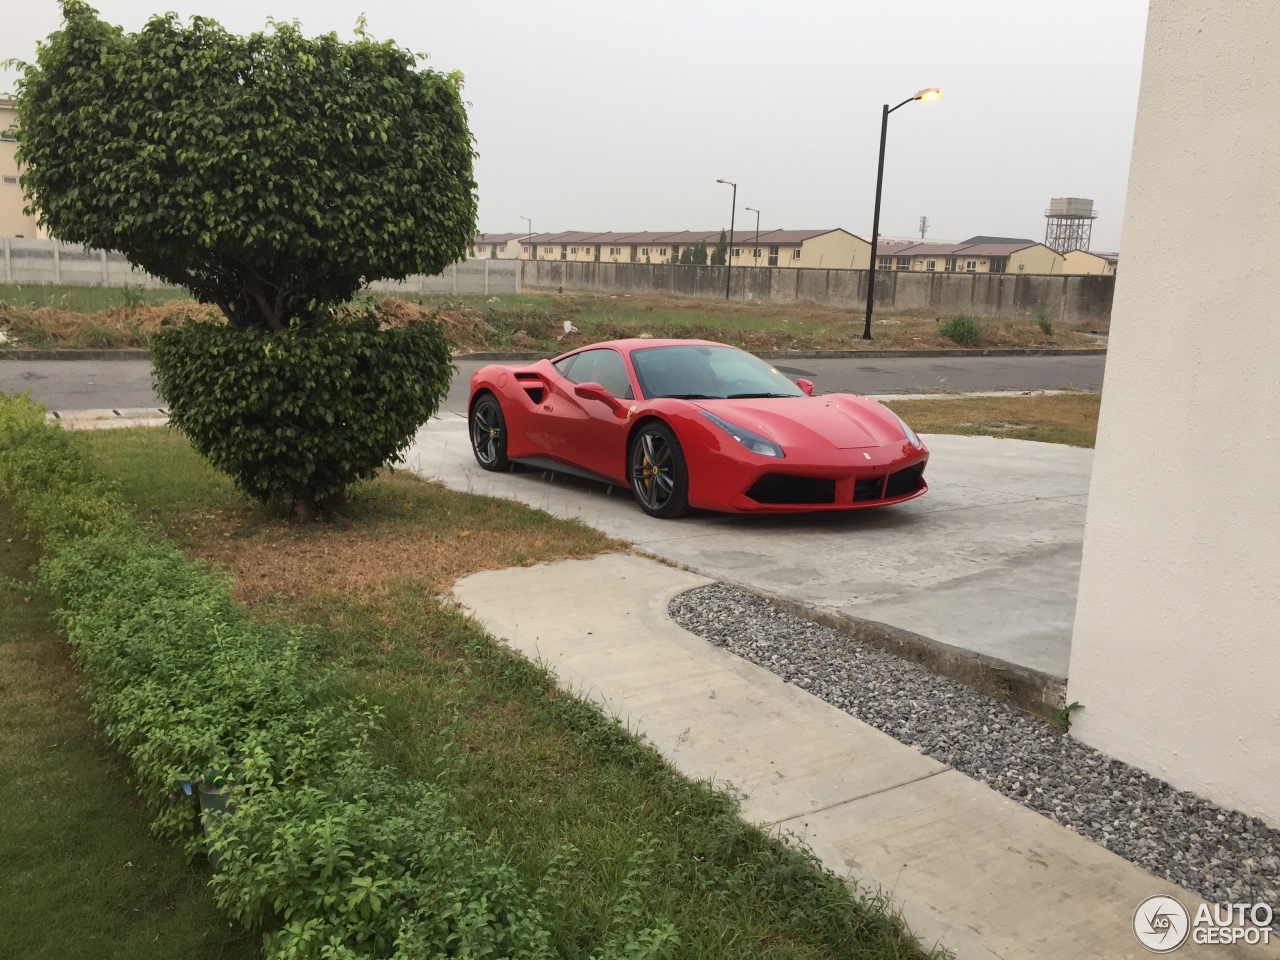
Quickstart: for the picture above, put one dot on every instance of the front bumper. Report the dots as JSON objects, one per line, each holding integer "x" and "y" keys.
{"x": 857, "y": 480}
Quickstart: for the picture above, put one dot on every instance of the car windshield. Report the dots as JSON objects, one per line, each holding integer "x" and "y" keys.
{"x": 699, "y": 372}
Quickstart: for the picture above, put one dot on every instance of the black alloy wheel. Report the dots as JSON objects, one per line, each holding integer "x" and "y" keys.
{"x": 659, "y": 475}
{"x": 489, "y": 433}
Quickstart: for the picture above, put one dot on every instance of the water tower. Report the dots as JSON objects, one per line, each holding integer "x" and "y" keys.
{"x": 1069, "y": 224}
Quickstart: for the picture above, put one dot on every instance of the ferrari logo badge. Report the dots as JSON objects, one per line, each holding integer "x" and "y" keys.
{"x": 631, "y": 411}
{"x": 867, "y": 455}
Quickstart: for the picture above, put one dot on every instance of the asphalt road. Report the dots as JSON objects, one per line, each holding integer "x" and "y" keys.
{"x": 116, "y": 384}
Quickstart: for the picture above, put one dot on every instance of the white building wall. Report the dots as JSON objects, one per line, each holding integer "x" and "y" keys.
{"x": 1176, "y": 650}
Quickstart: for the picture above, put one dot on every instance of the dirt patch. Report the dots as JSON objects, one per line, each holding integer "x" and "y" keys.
{"x": 406, "y": 528}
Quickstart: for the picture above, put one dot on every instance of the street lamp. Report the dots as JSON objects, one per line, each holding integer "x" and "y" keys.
{"x": 533, "y": 251}
{"x": 928, "y": 93}
{"x": 755, "y": 250}
{"x": 728, "y": 254}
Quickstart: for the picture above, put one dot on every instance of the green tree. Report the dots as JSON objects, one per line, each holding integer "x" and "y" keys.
{"x": 272, "y": 175}
{"x": 721, "y": 254}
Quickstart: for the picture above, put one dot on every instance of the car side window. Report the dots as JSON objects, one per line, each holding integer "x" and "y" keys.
{"x": 604, "y": 367}
{"x": 565, "y": 365}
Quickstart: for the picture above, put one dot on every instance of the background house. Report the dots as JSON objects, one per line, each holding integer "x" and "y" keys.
{"x": 980, "y": 254}
{"x": 776, "y": 248}
{"x": 13, "y": 222}
{"x": 1090, "y": 261}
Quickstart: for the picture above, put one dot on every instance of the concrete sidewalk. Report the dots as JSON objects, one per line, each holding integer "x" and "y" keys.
{"x": 971, "y": 869}
{"x": 986, "y": 564}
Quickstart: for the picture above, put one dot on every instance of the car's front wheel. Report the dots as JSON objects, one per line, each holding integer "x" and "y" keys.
{"x": 489, "y": 433}
{"x": 659, "y": 475}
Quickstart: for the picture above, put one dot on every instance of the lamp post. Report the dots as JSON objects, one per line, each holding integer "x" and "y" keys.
{"x": 728, "y": 254}
{"x": 755, "y": 250}
{"x": 533, "y": 251}
{"x": 928, "y": 93}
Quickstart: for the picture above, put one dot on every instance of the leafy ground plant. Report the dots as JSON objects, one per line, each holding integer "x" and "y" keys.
{"x": 962, "y": 329}
{"x": 80, "y": 872}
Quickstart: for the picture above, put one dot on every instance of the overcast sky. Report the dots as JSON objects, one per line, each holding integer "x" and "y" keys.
{"x": 620, "y": 116}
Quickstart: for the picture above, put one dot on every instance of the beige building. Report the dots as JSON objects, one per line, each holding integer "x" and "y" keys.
{"x": 1174, "y": 654}
{"x": 13, "y": 222}
{"x": 497, "y": 246}
{"x": 774, "y": 248}
{"x": 975, "y": 255}
{"x": 1086, "y": 262}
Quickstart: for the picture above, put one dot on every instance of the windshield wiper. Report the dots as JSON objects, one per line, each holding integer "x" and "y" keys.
{"x": 756, "y": 396}
{"x": 689, "y": 396}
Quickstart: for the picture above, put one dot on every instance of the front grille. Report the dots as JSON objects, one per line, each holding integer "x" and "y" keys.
{"x": 867, "y": 488}
{"x": 905, "y": 481}
{"x": 784, "y": 488}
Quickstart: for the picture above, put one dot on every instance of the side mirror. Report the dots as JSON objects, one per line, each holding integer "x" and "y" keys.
{"x": 806, "y": 386}
{"x": 593, "y": 391}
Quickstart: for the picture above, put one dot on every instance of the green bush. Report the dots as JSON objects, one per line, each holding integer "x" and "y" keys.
{"x": 295, "y": 416}
{"x": 328, "y": 853}
{"x": 963, "y": 330}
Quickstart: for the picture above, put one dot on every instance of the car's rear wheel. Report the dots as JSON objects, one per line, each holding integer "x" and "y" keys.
{"x": 659, "y": 475}
{"x": 489, "y": 433}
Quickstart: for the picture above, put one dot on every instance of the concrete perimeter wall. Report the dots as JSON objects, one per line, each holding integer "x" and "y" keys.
{"x": 1069, "y": 299}
{"x": 37, "y": 262}
{"x": 1176, "y": 649}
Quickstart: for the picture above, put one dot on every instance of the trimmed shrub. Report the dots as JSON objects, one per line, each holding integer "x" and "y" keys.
{"x": 271, "y": 174}
{"x": 295, "y": 416}
{"x": 962, "y": 329}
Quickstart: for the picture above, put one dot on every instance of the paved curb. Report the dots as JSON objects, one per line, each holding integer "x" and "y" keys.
{"x": 136, "y": 354}
{"x": 124, "y": 353}
{"x": 1032, "y": 691}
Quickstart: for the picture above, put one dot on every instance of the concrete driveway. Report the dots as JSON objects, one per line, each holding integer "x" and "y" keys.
{"x": 987, "y": 561}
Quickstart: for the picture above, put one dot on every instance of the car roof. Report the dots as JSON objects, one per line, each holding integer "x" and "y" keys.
{"x": 640, "y": 343}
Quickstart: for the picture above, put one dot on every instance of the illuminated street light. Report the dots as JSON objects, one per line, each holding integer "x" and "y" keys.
{"x": 928, "y": 93}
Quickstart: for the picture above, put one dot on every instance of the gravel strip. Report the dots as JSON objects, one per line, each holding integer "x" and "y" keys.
{"x": 1220, "y": 854}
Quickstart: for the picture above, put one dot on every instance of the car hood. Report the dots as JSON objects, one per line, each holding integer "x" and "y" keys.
{"x": 840, "y": 420}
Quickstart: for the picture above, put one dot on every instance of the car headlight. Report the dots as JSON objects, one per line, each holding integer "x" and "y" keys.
{"x": 752, "y": 441}
{"x": 911, "y": 434}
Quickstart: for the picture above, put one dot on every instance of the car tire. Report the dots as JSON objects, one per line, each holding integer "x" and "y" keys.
{"x": 658, "y": 472}
{"x": 488, "y": 430}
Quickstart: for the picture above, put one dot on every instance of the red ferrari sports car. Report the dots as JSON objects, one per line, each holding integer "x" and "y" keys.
{"x": 690, "y": 423}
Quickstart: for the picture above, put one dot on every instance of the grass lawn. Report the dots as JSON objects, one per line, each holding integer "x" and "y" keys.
{"x": 536, "y": 769}
{"x": 80, "y": 873}
{"x": 29, "y": 296}
{"x": 1070, "y": 418}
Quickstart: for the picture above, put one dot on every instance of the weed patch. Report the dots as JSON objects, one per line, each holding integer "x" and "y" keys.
{"x": 963, "y": 330}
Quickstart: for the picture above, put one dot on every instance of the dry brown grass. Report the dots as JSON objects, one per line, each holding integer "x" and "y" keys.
{"x": 535, "y": 322}
{"x": 1070, "y": 418}
{"x": 116, "y": 327}
{"x": 397, "y": 526}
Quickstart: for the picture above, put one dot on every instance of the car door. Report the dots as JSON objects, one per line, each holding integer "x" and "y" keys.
{"x": 588, "y": 433}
